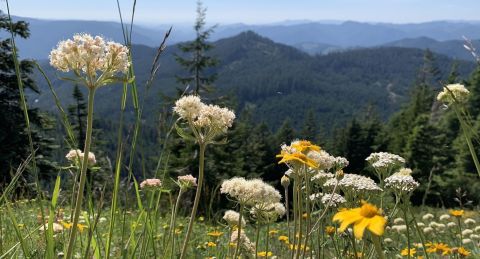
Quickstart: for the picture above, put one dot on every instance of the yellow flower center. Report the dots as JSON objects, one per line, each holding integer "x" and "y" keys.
{"x": 368, "y": 210}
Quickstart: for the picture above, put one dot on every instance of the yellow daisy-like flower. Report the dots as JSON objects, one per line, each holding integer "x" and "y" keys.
{"x": 368, "y": 216}
{"x": 283, "y": 238}
{"x": 406, "y": 252}
{"x": 81, "y": 227}
{"x": 457, "y": 213}
{"x": 178, "y": 231}
{"x": 211, "y": 244}
{"x": 215, "y": 233}
{"x": 304, "y": 146}
{"x": 264, "y": 254}
{"x": 296, "y": 158}
{"x": 273, "y": 232}
{"x": 463, "y": 252}
{"x": 439, "y": 248}
{"x": 330, "y": 230}
{"x": 66, "y": 225}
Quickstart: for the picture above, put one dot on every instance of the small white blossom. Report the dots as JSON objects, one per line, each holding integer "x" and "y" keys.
{"x": 398, "y": 221}
{"x": 250, "y": 192}
{"x": 401, "y": 182}
{"x": 453, "y": 93}
{"x": 232, "y": 217}
{"x": 151, "y": 184}
{"x": 333, "y": 200}
{"x": 382, "y": 160}
{"x": 353, "y": 182}
{"x": 444, "y": 217}
{"x": 428, "y": 216}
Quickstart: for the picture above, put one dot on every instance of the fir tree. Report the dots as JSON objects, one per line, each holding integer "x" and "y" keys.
{"x": 78, "y": 115}
{"x": 195, "y": 59}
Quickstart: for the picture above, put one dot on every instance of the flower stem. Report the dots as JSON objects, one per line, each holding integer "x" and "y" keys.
{"x": 172, "y": 223}
{"x": 378, "y": 247}
{"x": 83, "y": 174}
{"x": 408, "y": 229}
{"x": 197, "y": 198}
{"x": 239, "y": 231}
{"x": 256, "y": 240}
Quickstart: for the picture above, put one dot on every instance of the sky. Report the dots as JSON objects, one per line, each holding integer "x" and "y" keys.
{"x": 251, "y": 11}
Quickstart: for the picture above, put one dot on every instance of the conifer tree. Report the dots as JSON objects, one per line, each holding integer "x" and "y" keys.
{"x": 195, "y": 59}
{"x": 78, "y": 115}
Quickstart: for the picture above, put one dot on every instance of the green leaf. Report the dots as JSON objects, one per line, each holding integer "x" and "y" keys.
{"x": 182, "y": 133}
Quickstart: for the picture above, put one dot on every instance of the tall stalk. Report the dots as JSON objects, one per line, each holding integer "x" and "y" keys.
{"x": 83, "y": 174}
{"x": 239, "y": 231}
{"x": 197, "y": 198}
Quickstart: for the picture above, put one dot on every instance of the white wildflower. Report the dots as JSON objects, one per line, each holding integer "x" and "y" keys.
{"x": 401, "y": 182}
{"x": 399, "y": 228}
{"x": 469, "y": 221}
{"x": 353, "y": 182}
{"x": 467, "y": 232}
{"x": 453, "y": 93}
{"x": 382, "y": 160}
{"x": 398, "y": 221}
{"x": 76, "y": 156}
{"x": 444, "y": 217}
{"x": 466, "y": 241}
{"x": 451, "y": 224}
{"x": 428, "y": 216}
{"x": 186, "y": 181}
{"x": 427, "y": 230}
{"x": 151, "y": 184}
{"x": 250, "y": 192}
{"x": 188, "y": 107}
{"x": 232, "y": 217}
{"x": 333, "y": 200}
{"x": 323, "y": 159}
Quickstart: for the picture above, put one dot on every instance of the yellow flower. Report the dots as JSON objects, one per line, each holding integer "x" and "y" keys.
{"x": 232, "y": 244}
{"x": 215, "y": 233}
{"x": 20, "y": 225}
{"x": 457, "y": 213}
{"x": 330, "y": 230}
{"x": 305, "y": 215}
{"x": 178, "y": 231}
{"x": 211, "y": 244}
{"x": 296, "y": 157}
{"x": 264, "y": 254}
{"x": 406, "y": 252}
{"x": 81, "y": 227}
{"x": 272, "y": 232}
{"x": 463, "y": 252}
{"x": 66, "y": 225}
{"x": 201, "y": 219}
{"x": 283, "y": 238}
{"x": 304, "y": 146}
{"x": 292, "y": 247}
{"x": 366, "y": 217}
{"x": 439, "y": 248}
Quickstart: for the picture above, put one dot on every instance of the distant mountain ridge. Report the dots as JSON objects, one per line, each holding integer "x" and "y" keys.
{"x": 279, "y": 81}
{"x": 312, "y": 37}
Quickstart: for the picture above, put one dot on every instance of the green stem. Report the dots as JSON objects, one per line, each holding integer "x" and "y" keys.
{"x": 300, "y": 221}
{"x": 237, "y": 248}
{"x": 287, "y": 212}
{"x": 420, "y": 234}
{"x": 408, "y": 229}
{"x": 378, "y": 247}
{"x": 295, "y": 216}
{"x": 83, "y": 174}
{"x": 172, "y": 223}
{"x": 197, "y": 199}
{"x": 268, "y": 237}
{"x": 469, "y": 141}
{"x": 309, "y": 222}
{"x": 257, "y": 238}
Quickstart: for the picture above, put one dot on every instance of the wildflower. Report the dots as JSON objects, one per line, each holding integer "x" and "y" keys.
{"x": 477, "y": 229}
{"x": 401, "y": 183}
{"x": 151, "y": 184}
{"x": 383, "y": 160}
{"x": 469, "y": 221}
{"x": 315, "y": 196}
{"x": 439, "y": 248}
{"x": 188, "y": 107}
{"x": 353, "y": 182}
{"x": 398, "y": 221}
{"x": 283, "y": 239}
{"x": 304, "y": 146}
{"x": 475, "y": 236}
{"x": 444, "y": 217}
{"x": 232, "y": 217}
{"x": 333, "y": 200}
{"x": 250, "y": 192}
{"x": 330, "y": 230}
{"x": 428, "y": 216}
{"x": 453, "y": 93}
{"x": 264, "y": 254}
{"x": 81, "y": 227}
{"x": 463, "y": 252}
{"x": 457, "y": 213}
{"x": 322, "y": 159}
{"x": 211, "y": 244}
{"x": 215, "y": 118}
{"x": 321, "y": 177}
{"x": 408, "y": 252}
{"x": 388, "y": 240}
{"x": 340, "y": 162}
{"x": 186, "y": 181}
{"x": 215, "y": 233}
{"x": 466, "y": 241}
{"x": 92, "y": 58}
{"x": 267, "y": 212}
{"x": 295, "y": 159}
{"x": 285, "y": 181}
{"x": 427, "y": 230}
{"x": 56, "y": 227}
{"x": 273, "y": 232}
{"x": 467, "y": 232}
{"x": 399, "y": 228}
{"x": 421, "y": 224}
{"x": 66, "y": 225}
{"x": 245, "y": 244}
{"x": 76, "y": 156}
{"x": 451, "y": 224}
{"x": 367, "y": 216}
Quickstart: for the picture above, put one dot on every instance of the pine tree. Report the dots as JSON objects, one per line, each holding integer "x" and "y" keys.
{"x": 13, "y": 130}
{"x": 310, "y": 130}
{"x": 78, "y": 115}
{"x": 195, "y": 58}
{"x": 285, "y": 134}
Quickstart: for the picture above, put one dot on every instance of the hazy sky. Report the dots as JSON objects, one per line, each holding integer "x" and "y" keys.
{"x": 252, "y": 11}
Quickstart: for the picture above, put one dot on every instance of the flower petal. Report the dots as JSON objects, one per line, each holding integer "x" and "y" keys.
{"x": 377, "y": 225}
{"x": 360, "y": 226}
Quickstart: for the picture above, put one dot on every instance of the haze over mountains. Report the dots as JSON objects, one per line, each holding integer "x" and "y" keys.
{"x": 312, "y": 37}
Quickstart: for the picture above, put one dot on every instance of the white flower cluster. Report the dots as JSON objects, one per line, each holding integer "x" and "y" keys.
{"x": 321, "y": 177}
{"x": 76, "y": 156}
{"x": 453, "y": 93}
{"x": 315, "y": 196}
{"x": 186, "y": 181}
{"x": 150, "y": 184}
{"x": 323, "y": 159}
{"x": 250, "y": 192}
{"x": 267, "y": 212}
{"x": 193, "y": 110}
{"x": 402, "y": 182}
{"x": 340, "y": 162}
{"x": 245, "y": 244}
{"x": 353, "y": 182}
{"x": 232, "y": 217}
{"x": 383, "y": 160}
{"x": 333, "y": 200}
{"x": 88, "y": 55}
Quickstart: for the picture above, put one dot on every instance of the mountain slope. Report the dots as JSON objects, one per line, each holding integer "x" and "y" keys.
{"x": 279, "y": 81}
